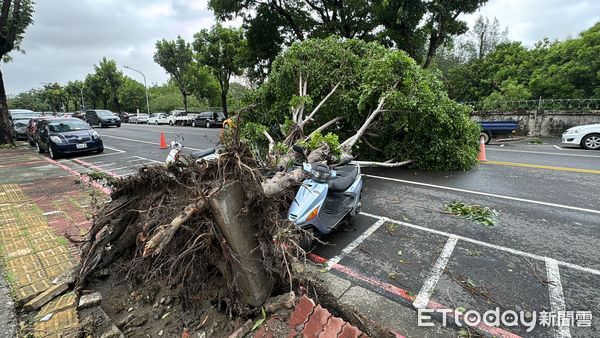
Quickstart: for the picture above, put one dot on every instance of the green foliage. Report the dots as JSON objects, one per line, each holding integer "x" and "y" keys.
{"x": 13, "y": 23}
{"x": 176, "y": 57}
{"x": 317, "y": 139}
{"x": 478, "y": 213}
{"x": 32, "y": 100}
{"x": 132, "y": 96}
{"x": 222, "y": 50}
{"x": 420, "y": 123}
{"x": 110, "y": 79}
{"x": 53, "y": 95}
{"x": 557, "y": 70}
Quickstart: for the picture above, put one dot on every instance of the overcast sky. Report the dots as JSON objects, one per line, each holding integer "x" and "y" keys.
{"x": 70, "y": 36}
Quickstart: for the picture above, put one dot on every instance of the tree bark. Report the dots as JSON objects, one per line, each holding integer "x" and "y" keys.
{"x": 5, "y": 125}
{"x": 185, "y": 101}
{"x": 224, "y": 103}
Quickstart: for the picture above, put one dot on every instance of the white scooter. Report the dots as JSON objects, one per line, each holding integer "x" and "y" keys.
{"x": 177, "y": 147}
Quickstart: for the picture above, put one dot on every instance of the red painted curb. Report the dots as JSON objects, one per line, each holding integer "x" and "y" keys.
{"x": 81, "y": 177}
{"x": 494, "y": 331}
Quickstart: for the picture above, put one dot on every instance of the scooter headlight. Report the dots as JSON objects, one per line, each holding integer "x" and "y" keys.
{"x": 321, "y": 176}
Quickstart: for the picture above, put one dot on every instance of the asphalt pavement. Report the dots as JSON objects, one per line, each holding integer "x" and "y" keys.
{"x": 541, "y": 256}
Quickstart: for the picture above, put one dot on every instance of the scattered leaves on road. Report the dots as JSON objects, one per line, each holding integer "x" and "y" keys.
{"x": 391, "y": 227}
{"x": 477, "y": 213}
{"x": 474, "y": 253}
{"x": 399, "y": 252}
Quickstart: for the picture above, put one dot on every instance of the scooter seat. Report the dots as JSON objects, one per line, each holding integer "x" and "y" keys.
{"x": 344, "y": 178}
{"x": 203, "y": 153}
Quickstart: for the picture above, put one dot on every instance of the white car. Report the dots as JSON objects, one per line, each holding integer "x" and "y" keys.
{"x": 138, "y": 118}
{"x": 586, "y": 136}
{"x": 158, "y": 118}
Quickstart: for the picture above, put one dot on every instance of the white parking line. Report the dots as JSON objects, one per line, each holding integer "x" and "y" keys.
{"x": 424, "y": 295}
{"x": 486, "y": 244}
{"x": 542, "y": 153}
{"x": 557, "y": 147}
{"x": 140, "y": 141}
{"x": 485, "y": 194}
{"x": 103, "y": 165}
{"x": 557, "y": 300}
{"x": 356, "y": 242}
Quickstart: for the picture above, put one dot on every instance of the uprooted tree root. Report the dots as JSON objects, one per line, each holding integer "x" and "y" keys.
{"x": 160, "y": 228}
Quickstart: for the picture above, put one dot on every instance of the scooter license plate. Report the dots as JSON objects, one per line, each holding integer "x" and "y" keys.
{"x": 81, "y": 146}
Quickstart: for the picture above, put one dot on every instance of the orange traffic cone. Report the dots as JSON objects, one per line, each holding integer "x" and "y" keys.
{"x": 481, "y": 155}
{"x": 163, "y": 142}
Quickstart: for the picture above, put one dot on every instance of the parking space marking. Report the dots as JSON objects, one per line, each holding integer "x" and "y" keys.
{"x": 545, "y": 167}
{"x": 548, "y": 204}
{"x": 140, "y": 141}
{"x": 557, "y": 300}
{"x": 427, "y": 289}
{"x": 103, "y": 165}
{"x": 557, "y": 147}
{"x": 486, "y": 244}
{"x": 356, "y": 242}
{"x": 542, "y": 152}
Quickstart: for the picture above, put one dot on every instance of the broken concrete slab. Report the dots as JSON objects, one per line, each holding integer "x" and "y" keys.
{"x": 90, "y": 300}
{"x": 45, "y": 297}
{"x": 242, "y": 330}
{"x": 97, "y": 321}
{"x": 284, "y": 301}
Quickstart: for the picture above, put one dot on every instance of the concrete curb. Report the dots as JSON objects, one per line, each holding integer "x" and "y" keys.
{"x": 374, "y": 314}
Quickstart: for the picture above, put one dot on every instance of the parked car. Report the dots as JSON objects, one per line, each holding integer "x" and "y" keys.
{"x": 491, "y": 129}
{"x": 79, "y": 115}
{"x": 102, "y": 118}
{"x": 586, "y": 136}
{"x": 181, "y": 117}
{"x": 138, "y": 118}
{"x": 209, "y": 119}
{"x": 158, "y": 118}
{"x": 32, "y": 128}
{"x": 19, "y": 120}
{"x": 61, "y": 136}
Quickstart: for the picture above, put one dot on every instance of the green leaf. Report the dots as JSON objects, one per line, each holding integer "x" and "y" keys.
{"x": 260, "y": 321}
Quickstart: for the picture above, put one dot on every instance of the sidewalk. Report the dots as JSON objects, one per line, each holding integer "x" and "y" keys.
{"x": 39, "y": 204}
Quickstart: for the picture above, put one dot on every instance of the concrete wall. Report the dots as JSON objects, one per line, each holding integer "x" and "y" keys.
{"x": 541, "y": 122}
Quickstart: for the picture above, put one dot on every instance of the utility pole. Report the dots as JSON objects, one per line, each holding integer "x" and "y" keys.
{"x": 145, "y": 87}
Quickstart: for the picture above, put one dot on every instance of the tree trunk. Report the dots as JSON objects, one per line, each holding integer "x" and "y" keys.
{"x": 224, "y": 103}
{"x": 117, "y": 104}
{"x": 5, "y": 125}
{"x": 105, "y": 103}
{"x": 185, "y": 101}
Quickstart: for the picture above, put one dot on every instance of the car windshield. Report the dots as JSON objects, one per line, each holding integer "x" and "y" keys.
{"x": 21, "y": 122}
{"x": 104, "y": 113}
{"x": 64, "y": 126}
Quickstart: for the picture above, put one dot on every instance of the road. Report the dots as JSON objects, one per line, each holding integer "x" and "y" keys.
{"x": 542, "y": 254}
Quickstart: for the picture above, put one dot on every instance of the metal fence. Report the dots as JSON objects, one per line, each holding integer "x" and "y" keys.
{"x": 541, "y": 104}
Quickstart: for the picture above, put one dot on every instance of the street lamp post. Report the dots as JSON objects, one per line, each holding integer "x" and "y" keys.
{"x": 145, "y": 87}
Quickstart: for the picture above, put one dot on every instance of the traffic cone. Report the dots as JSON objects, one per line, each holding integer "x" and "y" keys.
{"x": 481, "y": 155}
{"x": 163, "y": 142}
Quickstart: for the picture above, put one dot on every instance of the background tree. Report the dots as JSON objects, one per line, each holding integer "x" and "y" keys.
{"x": 483, "y": 38}
{"x": 15, "y": 17}
{"x": 54, "y": 96}
{"x": 73, "y": 91}
{"x": 111, "y": 80}
{"x": 94, "y": 92}
{"x": 132, "y": 96}
{"x": 443, "y": 22}
{"x": 32, "y": 100}
{"x": 222, "y": 50}
{"x": 176, "y": 57}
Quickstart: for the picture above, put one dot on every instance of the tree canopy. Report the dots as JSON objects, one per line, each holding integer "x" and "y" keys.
{"x": 418, "y": 120}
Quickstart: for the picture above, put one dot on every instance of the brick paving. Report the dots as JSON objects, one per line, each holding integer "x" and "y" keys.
{"x": 39, "y": 204}
{"x": 309, "y": 320}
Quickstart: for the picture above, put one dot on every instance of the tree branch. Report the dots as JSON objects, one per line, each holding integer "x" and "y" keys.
{"x": 319, "y": 105}
{"x": 325, "y": 126}
{"x": 365, "y": 164}
{"x": 271, "y": 141}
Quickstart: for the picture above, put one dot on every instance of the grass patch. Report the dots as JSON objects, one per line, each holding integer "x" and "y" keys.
{"x": 7, "y": 146}
{"x": 535, "y": 141}
{"x": 62, "y": 241}
{"x": 102, "y": 177}
{"x": 477, "y": 213}
{"x": 10, "y": 277}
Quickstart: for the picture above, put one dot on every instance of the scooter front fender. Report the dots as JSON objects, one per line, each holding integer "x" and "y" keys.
{"x": 309, "y": 197}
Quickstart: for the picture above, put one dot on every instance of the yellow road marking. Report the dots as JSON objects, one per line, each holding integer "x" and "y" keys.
{"x": 548, "y": 167}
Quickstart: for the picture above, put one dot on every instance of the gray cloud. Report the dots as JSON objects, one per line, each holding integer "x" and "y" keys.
{"x": 69, "y": 36}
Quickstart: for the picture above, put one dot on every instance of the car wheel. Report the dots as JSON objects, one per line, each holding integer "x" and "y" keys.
{"x": 53, "y": 154}
{"x": 591, "y": 141}
{"x": 156, "y": 122}
{"x": 486, "y": 137}
{"x": 102, "y": 126}
{"x": 171, "y": 123}
{"x": 100, "y": 150}
{"x": 31, "y": 143}
{"x": 194, "y": 123}
{"x": 39, "y": 149}
{"x": 118, "y": 125}
{"x": 207, "y": 124}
